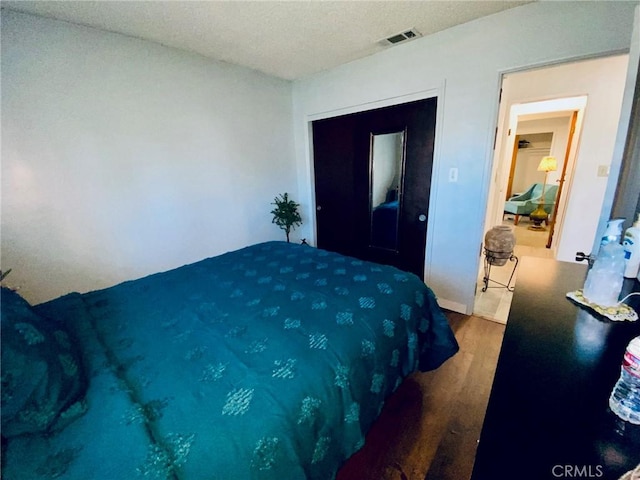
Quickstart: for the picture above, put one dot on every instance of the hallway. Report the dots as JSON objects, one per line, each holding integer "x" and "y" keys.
{"x": 494, "y": 304}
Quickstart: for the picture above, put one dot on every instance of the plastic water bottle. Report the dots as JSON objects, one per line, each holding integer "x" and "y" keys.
{"x": 625, "y": 397}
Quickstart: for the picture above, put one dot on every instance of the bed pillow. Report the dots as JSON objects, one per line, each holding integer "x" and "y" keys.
{"x": 42, "y": 379}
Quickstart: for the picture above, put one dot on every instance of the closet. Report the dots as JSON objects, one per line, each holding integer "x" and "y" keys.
{"x": 372, "y": 183}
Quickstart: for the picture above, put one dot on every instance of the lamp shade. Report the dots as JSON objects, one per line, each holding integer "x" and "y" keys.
{"x": 548, "y": 164}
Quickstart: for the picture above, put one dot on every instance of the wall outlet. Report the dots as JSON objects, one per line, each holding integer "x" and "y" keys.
{"x": 453, "y": 174}
{"x": 603, "y": 170}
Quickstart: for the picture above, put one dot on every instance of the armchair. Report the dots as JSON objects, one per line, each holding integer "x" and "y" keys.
{"x": 528, "y": 201}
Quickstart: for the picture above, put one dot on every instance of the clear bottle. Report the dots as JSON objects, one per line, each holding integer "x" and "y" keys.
{"x": 604, "y": 279}
{"x": 625, "y": 397}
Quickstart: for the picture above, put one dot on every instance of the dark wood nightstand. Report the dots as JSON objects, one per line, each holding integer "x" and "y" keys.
{"x": 548, "y": 414}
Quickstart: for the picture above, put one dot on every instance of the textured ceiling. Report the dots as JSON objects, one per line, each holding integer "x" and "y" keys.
{"x": 287, "y": 39}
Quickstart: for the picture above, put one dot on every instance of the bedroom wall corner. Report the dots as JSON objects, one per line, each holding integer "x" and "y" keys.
{"x": 122, "y": 157}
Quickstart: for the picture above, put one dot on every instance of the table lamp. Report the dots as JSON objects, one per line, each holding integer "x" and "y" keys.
{"x": 546, "y": 165}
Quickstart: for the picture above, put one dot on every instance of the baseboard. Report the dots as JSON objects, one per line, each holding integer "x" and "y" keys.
{"x": 453, "y": 306}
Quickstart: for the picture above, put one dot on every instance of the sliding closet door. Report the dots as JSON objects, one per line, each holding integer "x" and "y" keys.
{"x": 337, "y": 205}
{"x": 372, "y": 181}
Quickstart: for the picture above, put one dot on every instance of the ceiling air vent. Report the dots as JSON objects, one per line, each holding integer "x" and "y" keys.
{"x": 401, "y": 37}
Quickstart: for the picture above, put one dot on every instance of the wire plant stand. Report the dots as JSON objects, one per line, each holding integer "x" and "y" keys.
{"x": 491, "y": 258}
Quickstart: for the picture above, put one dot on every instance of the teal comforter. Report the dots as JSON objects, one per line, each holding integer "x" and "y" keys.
{"x": 270, "y": 362}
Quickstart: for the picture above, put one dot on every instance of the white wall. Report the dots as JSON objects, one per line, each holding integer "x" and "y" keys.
{"x": 623, "y": 131}
{"x": 558, "y": 127}
{"x": 463, "y": 66}
{"x": 121, "y": 157}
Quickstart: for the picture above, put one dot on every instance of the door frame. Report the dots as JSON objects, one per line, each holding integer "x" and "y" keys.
{"x": 436, "y": 92}
{"x": 572, "y": 138}
{"x": 517, "y": 112}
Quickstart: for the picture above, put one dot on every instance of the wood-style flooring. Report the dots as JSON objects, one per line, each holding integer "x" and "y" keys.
{"x": 429, "y": 428}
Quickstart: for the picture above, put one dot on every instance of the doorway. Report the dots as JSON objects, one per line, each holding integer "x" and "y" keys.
{"x": 524, "y": 175}
{"x": 551, "y": 130}
{"x": 373, "y": 181}
{"x": 531, "y": 101}
{"x": 535, "y": 130}
{"x": 545, "y": 128}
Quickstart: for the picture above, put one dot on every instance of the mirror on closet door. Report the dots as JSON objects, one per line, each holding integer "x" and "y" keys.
{"x": 386, "y": 167}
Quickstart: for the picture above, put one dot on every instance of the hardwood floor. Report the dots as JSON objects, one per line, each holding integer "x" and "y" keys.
{"x": 430, "y": 426}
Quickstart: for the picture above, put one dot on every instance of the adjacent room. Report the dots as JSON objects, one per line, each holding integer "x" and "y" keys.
{"x": 248, "y": 239}
{"x": 555, "y": 127}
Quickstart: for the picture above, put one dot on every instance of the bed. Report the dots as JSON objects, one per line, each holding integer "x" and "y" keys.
{"x": 384, "y": 225}
{"x": 269, "y": 362}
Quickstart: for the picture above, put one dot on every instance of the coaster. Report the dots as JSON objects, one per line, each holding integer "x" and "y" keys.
{"x": 618, "y": 313}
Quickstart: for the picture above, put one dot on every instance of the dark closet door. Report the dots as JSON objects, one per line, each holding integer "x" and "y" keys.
{"x": 344, "y": 183}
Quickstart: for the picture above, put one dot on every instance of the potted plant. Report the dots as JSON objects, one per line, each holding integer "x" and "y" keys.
{"x": 286, "y": 215}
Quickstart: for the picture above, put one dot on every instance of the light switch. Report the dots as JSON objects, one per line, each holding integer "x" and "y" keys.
{"x": 603, "y": 170}
{"x": 453, "y": 174}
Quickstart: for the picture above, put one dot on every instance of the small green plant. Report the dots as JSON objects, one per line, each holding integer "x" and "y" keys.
{"x": 286, "y": 215}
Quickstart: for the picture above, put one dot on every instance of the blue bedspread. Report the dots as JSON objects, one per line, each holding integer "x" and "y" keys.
{"x": 270, "y": 362}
